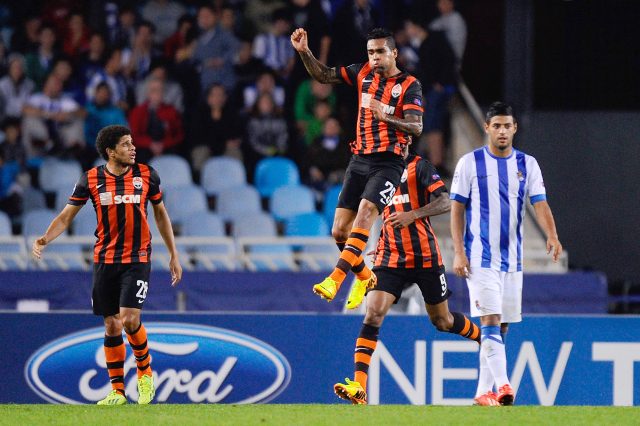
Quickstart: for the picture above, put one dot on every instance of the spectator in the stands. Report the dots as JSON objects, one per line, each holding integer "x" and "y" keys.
{"x": 164, "y": 15}
{"x": 327, "y": 157}
{"x": 437, "y": 73}
{"x": 455, "y": 28}
{"x": 92, "y": 60}
{"x": 76, "y": 37}
{"x": 11, "y": 147}
{"x": 137, "y": 60}
{"x": 308, "y": 14}
{"x": 178, "y": 39}
{"x": 274, "y": 46}
{"x": 111, "y": 74}
{"x": 26, "y": 37}
{"x": 53, "y": 122}
{"x": 172, "y": 90}
{"x": 216, "y": 129}
{"x": 265, "y": 83}
{"x": 258, "y": 13}
{"x": 123, "y": 33}
{"x": 40, "y": 61}
{"x": 266, "y": 132}
{"x": 215, "y": 51}
{"x": 71, "y": 86}
{"x": 351, "y": 24}
{"x": 101, "y": 112}
{"x": 156, "y": 127}
{"x": 247, "y": 67}
{"x": 15, "y": 87}
{"x": 308, "y": 95}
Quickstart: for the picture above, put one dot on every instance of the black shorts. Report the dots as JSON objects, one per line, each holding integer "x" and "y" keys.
{"x": 432, "y": 282}
{"x": 118, "y": 285}
{"x": 373, "y": 177}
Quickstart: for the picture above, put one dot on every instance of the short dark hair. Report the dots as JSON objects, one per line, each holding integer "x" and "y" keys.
{"x": 108, "y": 137}
{"x": 499, "y": 108}
{"x": 377, "y": 33}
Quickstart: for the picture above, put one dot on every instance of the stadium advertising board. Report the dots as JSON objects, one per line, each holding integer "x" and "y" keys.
{"x": 204, "y": 358}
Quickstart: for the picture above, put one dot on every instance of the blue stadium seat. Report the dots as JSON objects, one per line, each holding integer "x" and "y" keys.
{"x": 160, "y": 254}
{"x": 219, "y": 173}
{"x": 263, "y": 257}
{"x": 33, "y": 199}
{"x": 35, "y": 222}
{"x": 173, "y": 170}
{"x": 267, "y": 256}
{"x": 183, "y": 201}
{"x": 291, "y": 200}
{"x": 203, "y": 224}
{"x": 256, "y": 224}
{"x": 240, "y": 200}
{"x": 318, "y": 257}
{"x": 62, "y": 197}
{"x": 209, "y": 256}
{"x": 306, "y": 225}
{"x": 5, "y": 224}
{"x": 330, "y": 203}
{"x": 62, "y": 256}
{"x": 13, "y": 254}
{"x": 274, "y": 172}
{"x": 85, "y": 222}
{"x": 56, "y": 174}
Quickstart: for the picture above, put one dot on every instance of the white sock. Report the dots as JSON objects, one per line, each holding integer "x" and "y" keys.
{"x": 485, "y": 378}
{"x": 496, "y": 357}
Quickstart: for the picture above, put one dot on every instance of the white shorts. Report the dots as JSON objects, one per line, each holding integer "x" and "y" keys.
{"x": 495, "y": 292}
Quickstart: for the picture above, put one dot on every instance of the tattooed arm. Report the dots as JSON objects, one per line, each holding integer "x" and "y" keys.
{"x": 411, "y": 124}
{"x": 315, "y": 68}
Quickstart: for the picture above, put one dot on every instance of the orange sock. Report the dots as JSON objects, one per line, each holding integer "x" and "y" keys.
{"x": 359, "y": 267}
{"x": 352, "y": 252}
{"x": 115, "y": 353}
{"x": 138, "y": 342}
{"x": 365, "y": 346}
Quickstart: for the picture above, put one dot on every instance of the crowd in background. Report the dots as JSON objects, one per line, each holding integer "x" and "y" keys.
{"x": 202, "y": 79}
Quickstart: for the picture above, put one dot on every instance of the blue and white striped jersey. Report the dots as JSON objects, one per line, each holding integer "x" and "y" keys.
{"x": 494, "y": 189}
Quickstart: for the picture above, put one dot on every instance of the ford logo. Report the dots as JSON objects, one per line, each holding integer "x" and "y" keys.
{"x": 191, "y": 364}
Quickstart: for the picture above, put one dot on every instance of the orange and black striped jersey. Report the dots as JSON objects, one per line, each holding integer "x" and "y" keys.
{"x": 120, "y": 203}
{"x": 399, "y": 95}
{"x": 414, "y": 246}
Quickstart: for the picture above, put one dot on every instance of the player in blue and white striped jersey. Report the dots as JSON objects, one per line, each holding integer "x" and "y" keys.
{"x": 490, "y": 187}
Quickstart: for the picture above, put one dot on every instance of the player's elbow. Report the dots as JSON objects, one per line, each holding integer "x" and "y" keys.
{"x": 417, "y": 130}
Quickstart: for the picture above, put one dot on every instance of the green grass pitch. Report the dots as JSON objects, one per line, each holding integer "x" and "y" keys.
{"x": 309, "y": 414}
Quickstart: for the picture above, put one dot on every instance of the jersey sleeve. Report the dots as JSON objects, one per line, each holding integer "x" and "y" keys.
{"x": 412, "y": 102}
{"x": 461, "y": 183}
{"x": 535, "y": 183}
{"x": 80, "y": 193}
{"x": 430, "y": 179}
{"x": 155, "y": 193}
{"x": 350, "y": 74}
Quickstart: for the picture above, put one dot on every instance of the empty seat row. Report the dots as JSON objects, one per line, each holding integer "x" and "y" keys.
{"x": 218, "y": 173}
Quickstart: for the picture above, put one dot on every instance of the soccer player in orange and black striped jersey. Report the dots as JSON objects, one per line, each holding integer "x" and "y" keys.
{"x": 390, "y": 113}
{"x": 407, "y": 253}
{"x": 120, "y": 191}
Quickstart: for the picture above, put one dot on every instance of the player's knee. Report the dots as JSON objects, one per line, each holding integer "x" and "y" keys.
{"x": 374, "y": 316}
{"x": 339, "y": 234}
{"x": 112, "y": 326}
{"x": 130, "y": 322}
{"x": 440, "y": 323}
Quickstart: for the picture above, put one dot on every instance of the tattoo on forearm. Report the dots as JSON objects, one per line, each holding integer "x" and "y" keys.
{"x": 414, "y": 128}
{"x": 438, "y": 206}
{"x": 318, "y": 70}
